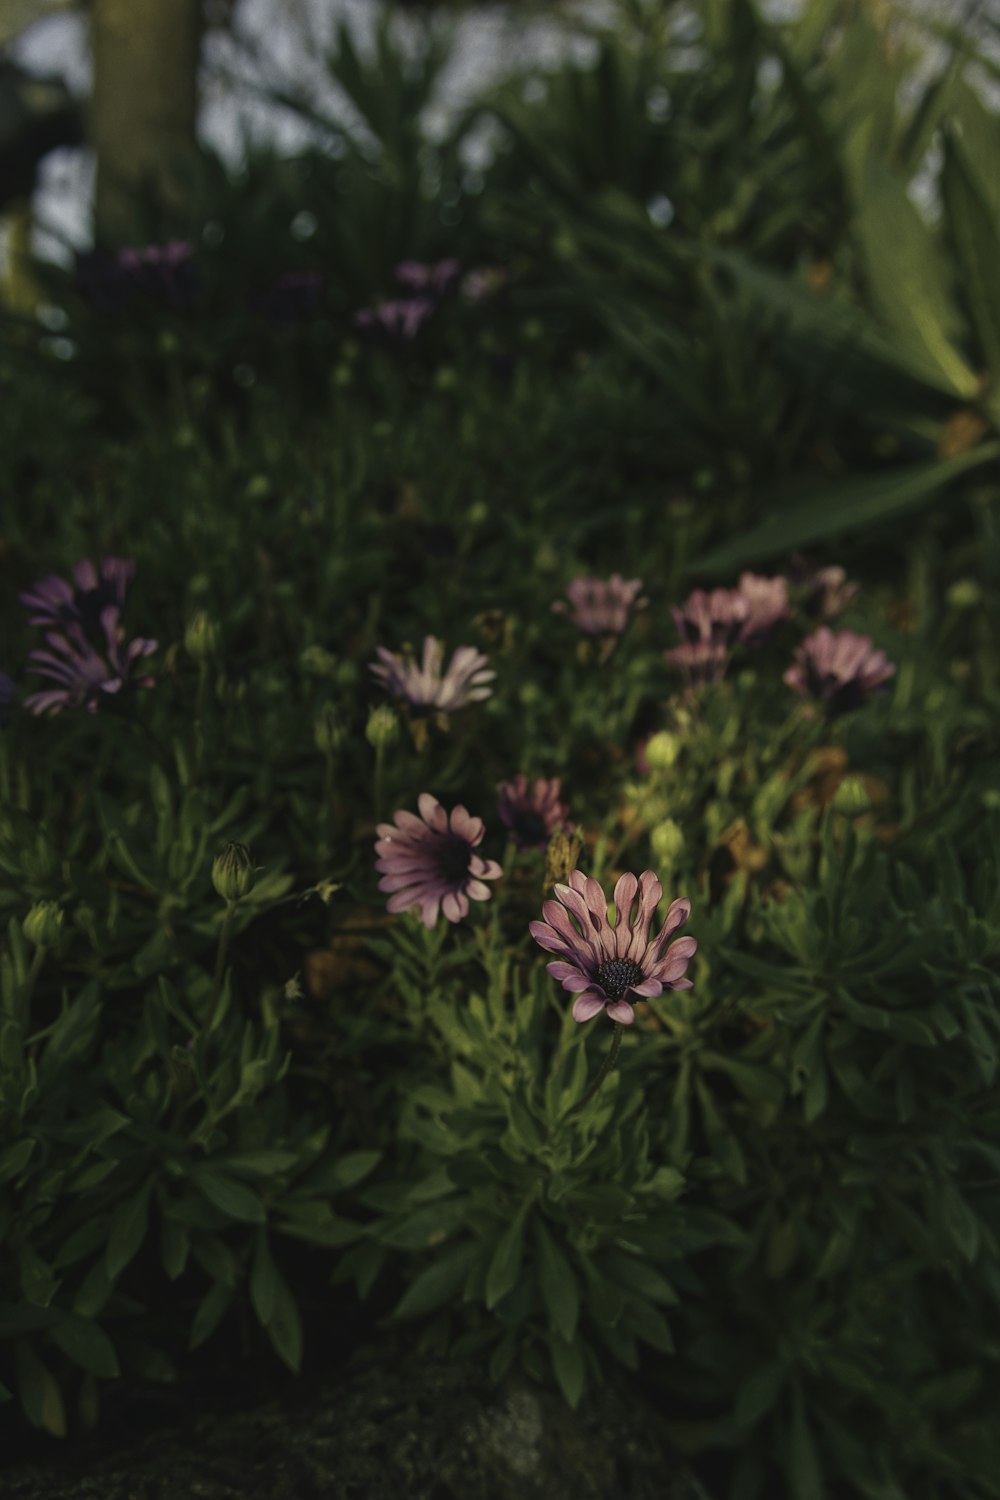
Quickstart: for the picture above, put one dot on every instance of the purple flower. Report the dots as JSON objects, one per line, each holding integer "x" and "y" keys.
{"x": 430, "y": 861}
{"x": 83, "y": 676}
{"x": 602, "y": 964}
{"x": 53, "y": 601}
{"x": 767, "y": 603}
{"x": 840, "y": 670}
{"x": 397, "y": 319}
{"x": 166, "y": 272}
{"x": 824, "y": 592}
{"x": 424, "y": 688}
{"x": 708, "y": 624}
{"x": 8, "y": 694}
{"x": 532, "y": 816}
{"x": 483, "y": 283}
{"x": 601, "y": 606}
{"x": 433, "y": 280}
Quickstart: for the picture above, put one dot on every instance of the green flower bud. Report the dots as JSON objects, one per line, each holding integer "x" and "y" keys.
{"x": 329, "y": 730}
{"x": 965, "y": 594}
{"x": 667, "y": 840}
{"x": 382, "y": 728}
{"x": 561, "y": 857}
{"x": 851, "y": 797}
{"x": 318, "y": 662}
{"x": 662, "y": 750}
{"x": 232, "y": 872}
{"x": 201, "y": 636}
{"x": 43, "y": 924}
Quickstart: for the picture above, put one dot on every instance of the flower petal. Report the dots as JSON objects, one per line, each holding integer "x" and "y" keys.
{"x": 620, "y": 1010}
{"x": 587, "y": 1006}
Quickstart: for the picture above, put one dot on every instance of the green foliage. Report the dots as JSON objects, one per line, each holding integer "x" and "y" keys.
{"x": 232, "y": 1114}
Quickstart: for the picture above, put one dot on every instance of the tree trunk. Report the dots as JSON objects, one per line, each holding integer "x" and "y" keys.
{"x": 144, "y": 108}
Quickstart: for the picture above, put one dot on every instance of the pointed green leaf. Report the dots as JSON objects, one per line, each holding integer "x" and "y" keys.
{"x": 505, "y": 1265}
{"x": 567, "y": 1363}
{"x": 438, "y": 1283}
{"x": 87, "y": 1345}
{"x": 560, "y": 1290}
{"x": 128, "y": 1230}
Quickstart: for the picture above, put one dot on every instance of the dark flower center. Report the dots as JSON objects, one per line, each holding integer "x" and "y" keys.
{"x": 617, "y": 976}
{"x": 91, "y": 602}
{"x": 530, "y": 828}
{"x": 453, "y": 860}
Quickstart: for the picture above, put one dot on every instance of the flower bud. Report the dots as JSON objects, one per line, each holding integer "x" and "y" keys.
{"x": 561, "y": 857}
{"x": 667, "y": 840}
{"x": 317, "y": 661}
{"x": 965, "y": 594}
{"x": 851, "y": 797}
{"x": 329, "y": 730}
{"x": 382, "y": 728}
{"x": 232, "y": 872}
{"x": 43, "y": 924}
{"x": 201, "y": 636}
{"x": 662, "y": 750}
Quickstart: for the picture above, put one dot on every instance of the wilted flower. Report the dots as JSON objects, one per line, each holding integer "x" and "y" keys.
{"x": 708, "y": 624}
{"x": 602, "y": 964}
{"x": 561, "y": 856}
{"x": 430, "y": 861}
{"x": 823, "y": 592}
{"x": 839, "y": 670}
{"x": 8, "y": 694}
{"x": 399, "y": 318}
{"x": 423, "y": 688}
{"x": 83, "y": 676}
{"x": 767, "y": 603}
{"x": 53, "y": 601}
{"x": 533, "y": 815}
{"x": 601, "y": 606}
{"x": 433, "y": 280}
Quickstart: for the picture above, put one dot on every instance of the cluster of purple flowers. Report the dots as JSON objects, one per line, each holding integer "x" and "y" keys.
{"x": 839, "y": 670}
{"x": 86, "y": 657}
{"x": 166, "y": 273}
{"x": 400, "y": 318}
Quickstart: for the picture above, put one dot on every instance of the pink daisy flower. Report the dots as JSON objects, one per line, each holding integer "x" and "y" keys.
{"x": 430, "y": 861}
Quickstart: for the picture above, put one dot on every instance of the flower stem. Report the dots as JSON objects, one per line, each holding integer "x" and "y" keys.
{"x": 220, "y": 957}
{"x": 30, "y": 980}
{"x": 603, "y": 1072}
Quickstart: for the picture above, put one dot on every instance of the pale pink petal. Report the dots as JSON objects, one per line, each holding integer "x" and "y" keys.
{"x": 569, "y": 977}
{"x": 620, "y": 1010}
{"x": 586, "y": 1007}
{"x": 432, "y": 812}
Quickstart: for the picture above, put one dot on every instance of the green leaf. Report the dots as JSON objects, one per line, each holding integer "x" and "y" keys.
{"x": 284, "y": 1326}
{"x": 87, "y": 1345}
{"x": 231, "y": 1198}
{"x": 39, "y": 1393}
{"x": 263, "y": 1280}
{"x": 802, "y": 1461}
{"x": 128, "y": 1230}
{"x": 505, "y": 1265}
{"x": 908, "y": 282}
{"x": 211, "y": 1310}
{"x": 567, "y": 1363}
{"x": 438, "y": 1283}
{"x": 848, "y": 507}
{"x": 175, "y": 1246}
{"x": 14, "y": 1160}
{"x": 560, "y": 1290}
{"x": 758, "y": 1393}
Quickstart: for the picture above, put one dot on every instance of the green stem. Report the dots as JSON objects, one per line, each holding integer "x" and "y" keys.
{"x": 379, "y": 780}
{"x": 31, "y": 979}
{"x": 605, "y": 1069}
{"x": 220, "y": 957}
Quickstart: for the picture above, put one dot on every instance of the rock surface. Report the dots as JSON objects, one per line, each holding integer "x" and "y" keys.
{"x": 391, "y": 1428}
